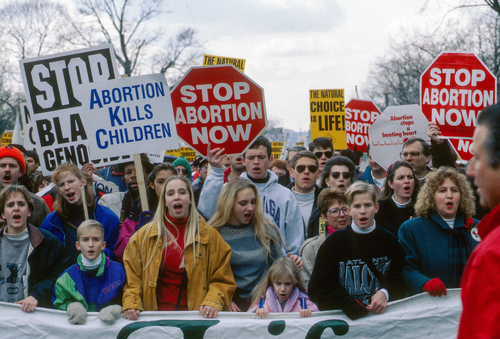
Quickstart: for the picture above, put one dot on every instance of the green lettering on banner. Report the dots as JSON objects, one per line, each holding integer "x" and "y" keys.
{"x": 276, "y": 327}
{"x": 194, "y": 329}
{"x": 339, "y": 327}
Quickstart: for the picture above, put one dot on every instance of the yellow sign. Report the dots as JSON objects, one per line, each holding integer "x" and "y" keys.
{"x": 209, "y": 60}
{"x": 6, "y": 138}
{"x": 327, "y": 109}
{"x": 187, "y": 152}
{"x": 277, "y": 148}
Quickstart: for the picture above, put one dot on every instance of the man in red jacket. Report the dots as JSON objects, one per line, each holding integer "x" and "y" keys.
{"x": 481, "y": 279}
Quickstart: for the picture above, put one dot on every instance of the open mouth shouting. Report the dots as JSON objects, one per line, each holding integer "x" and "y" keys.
{"x": 133, "y": 184}
{"x": 178, "y": 208}
{"x": 71, "y": 197}
{"x": 7, "y": 178}
{"x": 407, "y": 189}
{"x": 363, "y": 221}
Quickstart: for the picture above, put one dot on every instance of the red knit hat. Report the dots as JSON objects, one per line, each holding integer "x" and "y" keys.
{"x": 11, "y": 151}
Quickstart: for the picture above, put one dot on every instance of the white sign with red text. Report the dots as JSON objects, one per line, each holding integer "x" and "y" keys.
{"x": 392, "y": 129}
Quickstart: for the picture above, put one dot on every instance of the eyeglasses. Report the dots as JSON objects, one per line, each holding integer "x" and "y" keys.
{"x": 302, "y": 168}
{"x": 182, "y": 170}
{"x": 345, "y": 175}
{"x": 335, "y": 212}
{"x": 413, "y": 154}
{"x": 327, "y": 154}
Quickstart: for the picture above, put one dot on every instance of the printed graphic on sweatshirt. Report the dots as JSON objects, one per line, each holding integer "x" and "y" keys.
{"x": 272, "y": 209}
{"x": 358, "y": 280}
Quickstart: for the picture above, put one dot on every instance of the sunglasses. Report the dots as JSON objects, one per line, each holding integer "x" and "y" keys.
{"x": 327, "y": 154}
{"x": 182, "y": 170}
{"x": 345, "y": 175}
{"x": 302, "y": 168}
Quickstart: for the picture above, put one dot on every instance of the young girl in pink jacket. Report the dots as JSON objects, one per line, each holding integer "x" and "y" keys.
{"x": 282, "y": 290}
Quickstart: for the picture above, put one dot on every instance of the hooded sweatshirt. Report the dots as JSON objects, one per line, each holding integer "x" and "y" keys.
{"x": 280, "y": 205}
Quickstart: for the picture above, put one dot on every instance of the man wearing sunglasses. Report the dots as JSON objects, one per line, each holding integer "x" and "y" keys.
{"x": 305, "y": 173}
{"x": 286, "y": 179}
{"x": 279, "y": 203}
{"x": 322, "y": 148}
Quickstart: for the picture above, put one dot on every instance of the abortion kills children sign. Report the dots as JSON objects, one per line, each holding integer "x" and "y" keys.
{"x": 221, "y": 105}
{"x": 54, "y": 91}
{"x": 327, "y": 108}
{"x": 129, "y": 116}
{"x": 359, "y": 116}
{"x": 391, "y": 130}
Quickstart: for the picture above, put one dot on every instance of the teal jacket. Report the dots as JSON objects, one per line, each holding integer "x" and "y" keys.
{"x": 426, "y": 243}
{"x": 76, "y": 284}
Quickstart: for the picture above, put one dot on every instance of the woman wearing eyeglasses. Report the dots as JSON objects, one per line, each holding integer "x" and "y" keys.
{"x": 396, "y": 204}
{"x": 338, "y": 173}
{"x": 332, "y": 205}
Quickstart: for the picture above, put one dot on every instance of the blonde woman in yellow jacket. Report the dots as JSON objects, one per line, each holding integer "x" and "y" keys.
{"x": 177, "y": 262}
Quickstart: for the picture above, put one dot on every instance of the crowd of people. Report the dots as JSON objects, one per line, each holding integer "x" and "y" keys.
{"x": 241, "y": 233}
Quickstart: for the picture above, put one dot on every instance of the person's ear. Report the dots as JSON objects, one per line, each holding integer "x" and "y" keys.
{"x": 77, "y": 245}
{"x": 376, "y": 208}
{"x": 83, "y": 182}
{"x": 323, "y": 217}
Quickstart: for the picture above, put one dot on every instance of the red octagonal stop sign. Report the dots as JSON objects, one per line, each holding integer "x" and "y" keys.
{"x": 359, "y": 116}
{"x": 221, "y": 105}
{"x": 454, "y": 89}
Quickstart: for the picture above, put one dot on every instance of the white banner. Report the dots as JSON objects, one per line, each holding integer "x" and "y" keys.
{"x": 421, "y": 316}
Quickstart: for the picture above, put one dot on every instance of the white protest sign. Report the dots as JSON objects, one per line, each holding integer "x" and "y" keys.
{"x": 104, "y": 185}
{"x": 30, "y": 134}
{"x": 129, "y": 116}
{"x": 420, "y": 316}
{"x": 391, "y": 130}
{"x": 54, "y": 92}
{"x": 156, "y": 158}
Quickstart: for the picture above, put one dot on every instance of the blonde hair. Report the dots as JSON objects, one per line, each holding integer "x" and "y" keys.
{"x": 282, "y": 267}
{"x": 264, "y": 228}
{"x": 60, "y": 204}
{"x": 192, "y": 226}
{"x": 361, "y": 187}
{"x": 88, "y": 226}
{"x": 426, "y": 205}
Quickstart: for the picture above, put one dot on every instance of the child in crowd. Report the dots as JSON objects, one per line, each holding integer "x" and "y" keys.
{"x": 360, "y": 267}
{"x": 94, "y": 283}
{"x": 282, "y": 290}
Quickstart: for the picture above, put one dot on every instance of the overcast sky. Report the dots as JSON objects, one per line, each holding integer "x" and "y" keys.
{"x": 292, "y": 46}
